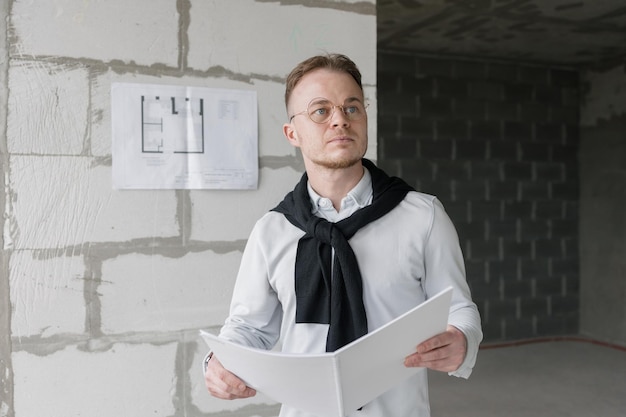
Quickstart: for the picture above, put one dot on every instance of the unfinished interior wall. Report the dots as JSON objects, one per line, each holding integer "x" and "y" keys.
{"x": 498, "y": 143}
{"x": 103, "y": 291}
{"x": 603, "y": 204}
{"x": 6, "y": 373}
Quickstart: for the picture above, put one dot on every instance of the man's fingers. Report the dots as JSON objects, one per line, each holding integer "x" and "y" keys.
{"x": 435, "y": 342}
{"x": 442, "y": 359}
{"x": 444, "y": 352}
{"x": 223, "y": 384}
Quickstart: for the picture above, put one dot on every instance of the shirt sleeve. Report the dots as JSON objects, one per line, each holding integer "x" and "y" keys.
{"x": 445, "y": 267}
{"x": 255, "y": 311}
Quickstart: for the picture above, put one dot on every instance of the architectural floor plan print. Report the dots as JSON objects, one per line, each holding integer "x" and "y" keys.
{"x": 183, "y": 137}
{"x": 172, "y": 123}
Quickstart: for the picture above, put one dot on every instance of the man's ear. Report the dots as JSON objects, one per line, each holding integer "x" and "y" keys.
{"x": 291, "y": 134}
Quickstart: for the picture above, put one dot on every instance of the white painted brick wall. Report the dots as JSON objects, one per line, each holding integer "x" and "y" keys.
{"x": 213, "y": 211}
{"x": 64, "y": 201}
{"x": 146, "y": 214}
{"x": 47, "y": 108}
{"x": 151, "y": 293}
{"x": 123, "y": 380}
{"x": 49, "y": 201}
{"x": 143, "y": 32}
{"x": 272, "y": 115}
{"x": 47, "y": 294}
{"x": 109, "y": 288}
{"x": 274, "y": 32}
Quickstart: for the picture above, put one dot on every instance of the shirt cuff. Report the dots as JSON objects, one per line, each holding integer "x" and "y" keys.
{"x": 466, "y": 368}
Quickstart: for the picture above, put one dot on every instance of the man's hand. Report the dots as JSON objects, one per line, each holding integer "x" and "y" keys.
{"x": 223, "y": 384}
{"x": 444, "y": 352}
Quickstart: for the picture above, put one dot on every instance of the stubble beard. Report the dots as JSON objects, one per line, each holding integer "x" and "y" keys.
{"x": 340, "y": 163}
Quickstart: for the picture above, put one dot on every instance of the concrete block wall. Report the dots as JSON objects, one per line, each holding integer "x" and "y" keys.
{"x": 103, "y": 291}
{"x": 603, "y": 204}
{"x": 498, "y": 144}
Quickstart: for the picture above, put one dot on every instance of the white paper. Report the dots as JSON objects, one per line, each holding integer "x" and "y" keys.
{"x": 338, "y": 383}
{"x": 177, "y": 137}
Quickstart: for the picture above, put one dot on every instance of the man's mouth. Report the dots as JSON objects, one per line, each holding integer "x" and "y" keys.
{"x": 341, "y": 139}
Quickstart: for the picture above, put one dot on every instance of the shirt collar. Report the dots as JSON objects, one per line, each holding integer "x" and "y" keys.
{"x": 360, "y": 195}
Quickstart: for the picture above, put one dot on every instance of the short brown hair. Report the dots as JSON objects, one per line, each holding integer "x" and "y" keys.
{"x": 336, "y": 62}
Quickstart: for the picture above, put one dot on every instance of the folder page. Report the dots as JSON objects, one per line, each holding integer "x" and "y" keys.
{"x": 336, "y": 384}
{"x": 307, "y": 382}
{"x": 373, "y": 364}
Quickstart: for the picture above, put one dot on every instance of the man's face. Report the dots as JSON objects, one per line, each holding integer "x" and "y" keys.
{"x": 338, "y": 142}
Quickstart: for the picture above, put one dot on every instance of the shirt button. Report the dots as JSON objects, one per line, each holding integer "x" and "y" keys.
{"x": 325, "y": 203}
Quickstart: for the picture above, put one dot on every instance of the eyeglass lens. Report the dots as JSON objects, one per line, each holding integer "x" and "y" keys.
{"x": 320, "y": 110}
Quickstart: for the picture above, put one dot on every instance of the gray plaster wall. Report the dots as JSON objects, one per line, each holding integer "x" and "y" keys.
{"x": 102, "y": 291}
{"x": 603, "y": 205}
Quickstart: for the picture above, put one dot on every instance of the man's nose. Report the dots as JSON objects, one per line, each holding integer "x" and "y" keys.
{"x": 339, "y": 117}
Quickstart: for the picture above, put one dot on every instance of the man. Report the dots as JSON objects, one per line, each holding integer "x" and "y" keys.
{"x": 347, "y": 251}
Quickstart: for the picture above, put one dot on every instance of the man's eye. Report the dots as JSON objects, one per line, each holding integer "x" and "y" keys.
{"x": 320, "y": 111}
{"x": 351, "y": 110}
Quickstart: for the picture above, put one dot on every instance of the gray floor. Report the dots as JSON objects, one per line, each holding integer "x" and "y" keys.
{"x": 551, "y": 378}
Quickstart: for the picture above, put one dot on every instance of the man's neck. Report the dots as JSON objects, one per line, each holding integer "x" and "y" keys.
{"x": 335, "y": 184}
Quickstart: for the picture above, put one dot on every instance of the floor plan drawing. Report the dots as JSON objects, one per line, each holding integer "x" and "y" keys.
{"x": 183, "y": 137}
{"x": 172, "y": 124}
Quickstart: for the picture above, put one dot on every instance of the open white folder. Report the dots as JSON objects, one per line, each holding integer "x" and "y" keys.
{"x": 338, "y": 383}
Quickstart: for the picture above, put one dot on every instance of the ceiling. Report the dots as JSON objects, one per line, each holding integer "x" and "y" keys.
{"x": 563, "y": 32}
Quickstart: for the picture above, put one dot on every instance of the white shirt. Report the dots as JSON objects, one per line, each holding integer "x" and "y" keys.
{"x": 405, "y": 256}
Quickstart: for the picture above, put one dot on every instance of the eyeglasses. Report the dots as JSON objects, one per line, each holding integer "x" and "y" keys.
{"x": 320, "y": 110}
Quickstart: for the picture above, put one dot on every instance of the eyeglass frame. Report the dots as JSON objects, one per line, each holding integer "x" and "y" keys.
{"x": 333, "y": 106}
